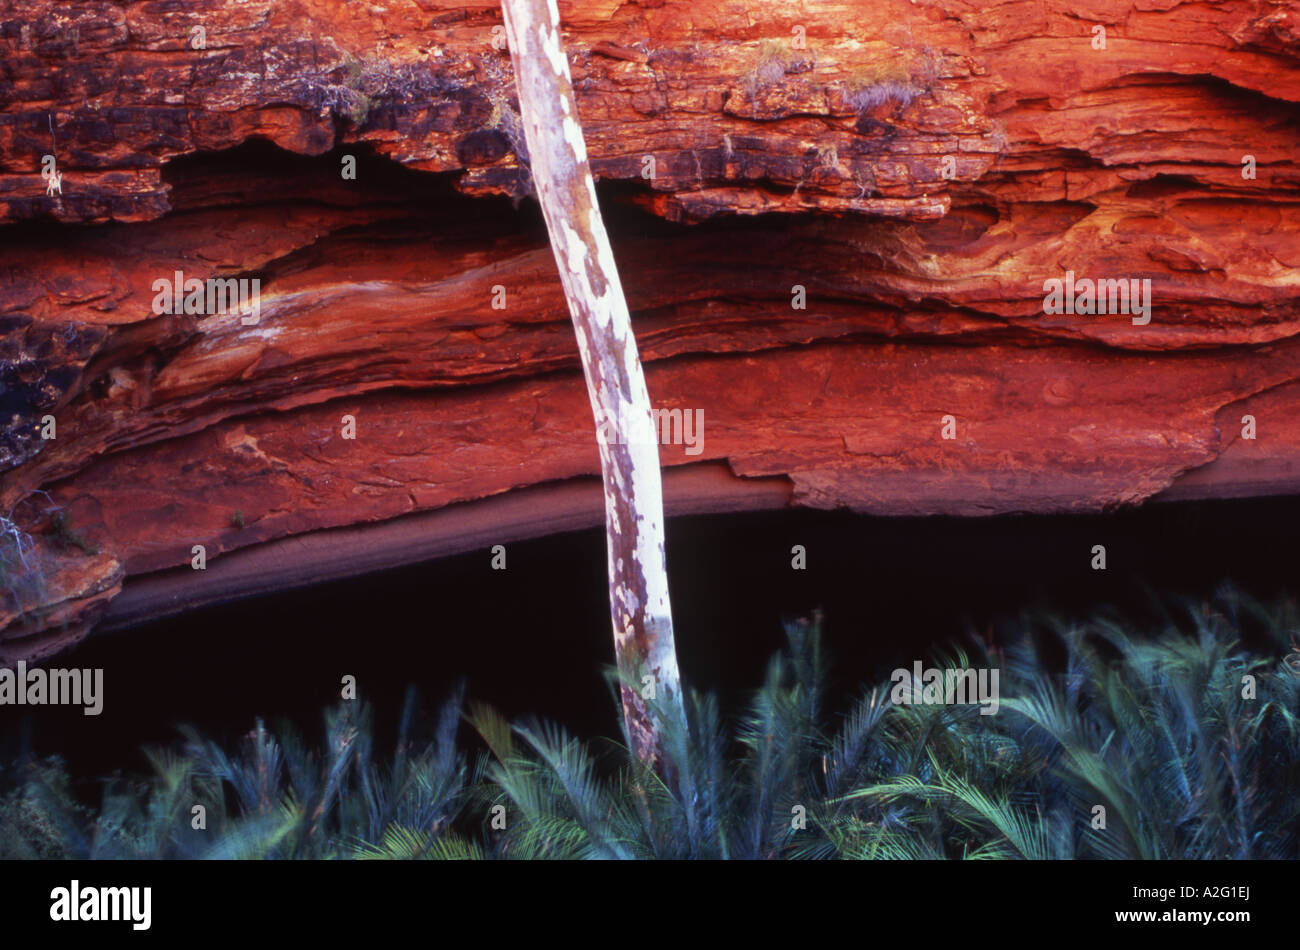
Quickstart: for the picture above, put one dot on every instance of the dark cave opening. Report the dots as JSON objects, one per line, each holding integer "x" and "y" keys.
{"x": 534, "y": 638}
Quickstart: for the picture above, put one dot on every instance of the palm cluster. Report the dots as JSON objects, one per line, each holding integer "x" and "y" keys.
{"x": 1180, "y": 744}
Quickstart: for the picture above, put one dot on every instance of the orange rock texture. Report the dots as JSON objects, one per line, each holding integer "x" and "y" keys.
{"x": 835, "y": 223}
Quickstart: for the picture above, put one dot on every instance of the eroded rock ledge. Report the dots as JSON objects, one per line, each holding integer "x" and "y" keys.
{"x": 919, "y": 168}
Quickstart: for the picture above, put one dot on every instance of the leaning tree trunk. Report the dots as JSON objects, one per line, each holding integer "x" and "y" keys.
{"x": 629, "y": 453}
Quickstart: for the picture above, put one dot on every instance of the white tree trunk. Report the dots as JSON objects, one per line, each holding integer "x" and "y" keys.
{"x": 629, "y": 452}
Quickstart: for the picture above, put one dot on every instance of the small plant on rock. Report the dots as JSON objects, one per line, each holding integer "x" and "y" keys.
{"x": 877, "y": 83}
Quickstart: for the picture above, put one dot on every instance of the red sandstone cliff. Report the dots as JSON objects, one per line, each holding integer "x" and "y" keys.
{"x": 919, "y": 167}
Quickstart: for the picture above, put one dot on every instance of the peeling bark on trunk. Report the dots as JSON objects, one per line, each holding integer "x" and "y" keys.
{"x": 629, "y": 454}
